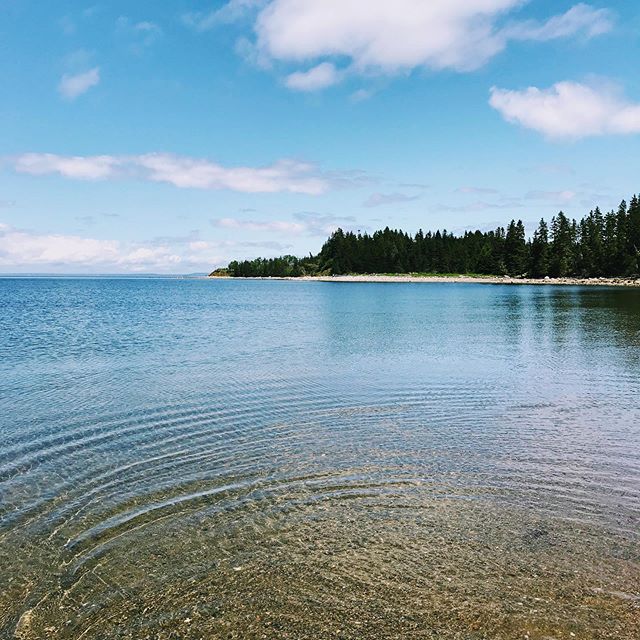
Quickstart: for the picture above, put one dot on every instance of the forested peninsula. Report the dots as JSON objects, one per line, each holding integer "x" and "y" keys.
{"x": 599, "y": 245}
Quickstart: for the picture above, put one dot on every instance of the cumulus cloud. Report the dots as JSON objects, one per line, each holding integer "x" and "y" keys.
{"x": 569, "y": 109}
{"x": 378, "y": 36}
{"x": 72, "y": 86}
{"x": 320, "y": 77}
{"x": 379, "y": 199}
{"x": 286, "y": 175}
{"x": 78, "y": 167}
{"x": 26, "y": 248}
{"x": 29, "y": 251}
{"x": 20, "y": 249}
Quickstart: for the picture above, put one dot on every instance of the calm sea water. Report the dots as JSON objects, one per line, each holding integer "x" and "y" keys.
{"x": 241, "y": 459}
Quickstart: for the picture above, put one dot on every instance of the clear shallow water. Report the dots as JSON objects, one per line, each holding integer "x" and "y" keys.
{"x": 190, "y": 458}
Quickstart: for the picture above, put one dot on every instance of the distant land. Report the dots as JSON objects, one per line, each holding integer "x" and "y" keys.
{"x": 599, "y": 246}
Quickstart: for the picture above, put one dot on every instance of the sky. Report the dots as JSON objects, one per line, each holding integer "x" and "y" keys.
{"x": 173, "y": 137}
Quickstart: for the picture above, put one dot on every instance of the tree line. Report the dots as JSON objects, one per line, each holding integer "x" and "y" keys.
{"x": 598, "y": 245}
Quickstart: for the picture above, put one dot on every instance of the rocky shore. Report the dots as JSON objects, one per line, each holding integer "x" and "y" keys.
{"x": 607, "y": 282}
{"x": 603, "y": 282}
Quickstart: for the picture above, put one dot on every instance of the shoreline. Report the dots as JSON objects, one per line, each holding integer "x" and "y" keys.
{"x": 461, "y": 279}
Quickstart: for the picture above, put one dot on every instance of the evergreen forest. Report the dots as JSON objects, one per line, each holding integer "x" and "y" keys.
{"x": 599, "y": 245}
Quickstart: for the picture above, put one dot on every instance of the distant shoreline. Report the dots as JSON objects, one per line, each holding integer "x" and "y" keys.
{"x": 462, "y": 279}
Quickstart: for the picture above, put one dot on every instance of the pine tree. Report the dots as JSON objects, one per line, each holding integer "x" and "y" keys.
{"x": 633, "y": 235}
{"x": 562, "y": 246}
{"x": 540, "y": 251}
{"x": 515, "y": 249}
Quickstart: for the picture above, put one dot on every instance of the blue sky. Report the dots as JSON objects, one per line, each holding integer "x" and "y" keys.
{"x": 175, "y": 136}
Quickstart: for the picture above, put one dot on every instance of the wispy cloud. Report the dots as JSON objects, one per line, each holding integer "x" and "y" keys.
{"x": 579, "y": 19}
{"x": 380, "y": 199}
{"x": 361, "y": 95}
{"x": 483, "y": 205}
{"x": 476, "y": 190}
{"x": 569, "y": 110}
{"x": 256, "y": 225}
{"x": 305, "y": 223}
{"x": 413, "y": 185}
{"x": 552, "y": 196}
{"x": 230, "y": 12}
{"x": 86, "y": 220}
{"x": 318, "y": 224}
{"x": 138, "y": 35}
{"x": 72, "y": 86}
{"x": 551, "y": 168}
{"x": 547, "y": 198}
{"x": 286, "y": 175}
{"x": 68, "y": 25}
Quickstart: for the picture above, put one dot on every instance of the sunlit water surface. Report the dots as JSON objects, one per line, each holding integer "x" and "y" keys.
{"x": 241, "y": 459}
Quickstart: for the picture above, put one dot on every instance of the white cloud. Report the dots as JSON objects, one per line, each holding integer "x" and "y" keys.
{"x": 78, "y": 167}
{"x": 146, "y": 27}
{"x": 361, "y": 95}
{"x": 569, "y": 110}
{"x": 552, "y": 196}
{"x": 581, "y": 18}
{"x": 313, "y": 224}
{"x": 253, "y": 225}
{"x": 318, "y": 224}
{"x": 23, "y": 250}
{"x": 378, "y": 36}
{"x": 22, "y": 247}
{"x": 379, "y": 199}
{"x": 231, "y": 12}
{"x": 477, "y": 190}
{"x": 320, "y": 77}
{"x": 142, "y": 34}
{"x": 483, "y": 205}
{"x": 73, "y": 86}
{"x": 286, "y": 175}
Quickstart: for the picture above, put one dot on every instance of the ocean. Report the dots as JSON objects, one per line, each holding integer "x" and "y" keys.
{"x": 193, "y": 458}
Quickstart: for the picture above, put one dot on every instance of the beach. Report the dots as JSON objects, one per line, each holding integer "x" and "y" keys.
{"x": 460, "y": 279}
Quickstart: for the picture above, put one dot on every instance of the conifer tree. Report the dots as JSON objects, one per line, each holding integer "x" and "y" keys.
{"x": 515, "y": 249}
{"x": 599, "y": 245}
{"x": 562, "y": 246}
{"x": 540, "y": 251}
